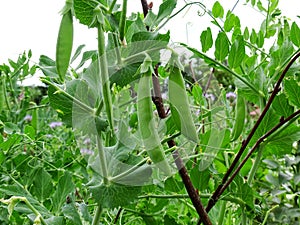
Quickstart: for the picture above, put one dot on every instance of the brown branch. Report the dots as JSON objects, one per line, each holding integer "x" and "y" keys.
{"x": 220, "y": 188}
{"x": 157, "y": 99}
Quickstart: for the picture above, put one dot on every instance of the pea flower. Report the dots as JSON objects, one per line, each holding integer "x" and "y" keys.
{"x": 230, "y": 95}
{"x": 28, "y": 118}
{"x": 85, "y": 151}
{"x": 55, "y": 124}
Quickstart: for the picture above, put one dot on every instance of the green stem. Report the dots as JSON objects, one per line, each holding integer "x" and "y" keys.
{"x": 117, "y": 49}
{"x": 5, "y": 93}
{"x": 35, "y": 211}
{"x": 222, "y": 213}
{"x": 178, "y": 196}
{"x": 105, "y": 77}
{"x": 112, "y": 6}
{"x": 123, "y": 20}
{"x": 102, "y": 159}
{"x": 256, "y": 163}
{"x": 97, "y": 215}
{"x": 225, "y": 68}
{"x": 244, "y": 216}
{"x": 267, "y": 214}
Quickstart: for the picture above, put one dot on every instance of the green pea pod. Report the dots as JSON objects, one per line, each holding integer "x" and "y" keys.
{"x": 123, "y": 20}
{"x": 147, "y": 127}
{"x": 179, "y": 105}
{"x": 240, "y": 115}
{"x": 64, "y": 44}
{"x": 2, "y": 97}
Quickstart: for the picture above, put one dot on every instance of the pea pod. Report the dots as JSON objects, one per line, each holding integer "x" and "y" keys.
{"x": 64, "y": 44}
{"x": 240, "y": 115}
{"x": 123, "y": 20}
{"x": 179, "y": 105}
{"x": 147, "y": 127}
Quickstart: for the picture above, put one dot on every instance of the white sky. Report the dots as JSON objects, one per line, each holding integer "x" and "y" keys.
{"x": 33, "y": 24}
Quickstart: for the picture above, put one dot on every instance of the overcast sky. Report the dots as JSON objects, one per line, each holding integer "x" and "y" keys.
{"x": 33, "y": 24}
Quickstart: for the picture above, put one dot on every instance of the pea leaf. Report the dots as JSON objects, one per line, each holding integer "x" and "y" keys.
{"x": 281, "y": 106}
{"x": 70, "y": 212}
{"x": 84, "y": 10}
{"x": 222, "y": 47}
{"x": 217, "y": 10}
{"x": 113, "y": 195}
{"x": 165, "y": 10}
{"x": 42, "y": 184}
{"x": 75, "y": 105}
{"x": 281, "y": 143}
{"x": 292, "y": 89}
{"x": 206, "y": 40}
{"x": 64, "y": 188}
{"x": 295, "y": 34}
{"x": 229, "y": 22}
{"x": 237, "y": 52}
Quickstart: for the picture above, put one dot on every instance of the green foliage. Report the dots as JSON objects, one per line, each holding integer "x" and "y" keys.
{"x": 95, "y": 140}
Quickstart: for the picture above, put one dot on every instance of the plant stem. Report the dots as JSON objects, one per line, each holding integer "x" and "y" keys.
{"x": 267, "y": 214}
{"x": 112, "y": 6}
{"x": 222, "y": 213}
{"x": 97, "y": 215}
{"x": 105, "y": 77}
{"x": 102, "y": 159}
{"x": 222, "y": 187}
{"x": 255, "y": 164}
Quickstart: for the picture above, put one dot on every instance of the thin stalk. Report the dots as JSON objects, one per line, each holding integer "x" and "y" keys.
{"x": 222, "y": 213}
{"x": 255, "y": 164}
{"x": 111, "y": 7}
{"x": 244, "y": 216}
{"x": 117, "y": 48}
{"x": 123, "y": 20}
{"x": 5, "y": 94}
{"x": 97, "y": 215}
{"x": 178, "y": 196}
{"x": 268, "y": 213}
{"x": 105, "y": 77}
{"x": 225, "y": 68}
{"x": 102, "y": 159}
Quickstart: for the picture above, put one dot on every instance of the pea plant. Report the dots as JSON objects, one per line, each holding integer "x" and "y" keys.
{"x": 143, "y": 131}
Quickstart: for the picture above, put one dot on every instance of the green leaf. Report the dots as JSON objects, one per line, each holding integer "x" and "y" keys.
{"x": 253, "y": 37}
{"x": 260, "y": 39}
{"x": 292, "y": 88}
{"x": 214, "y": 144}
{"x": 75, "y": 104}
{"x": 77, "y": 53}
{"x": 165, "y": 10}
{"x": 29, "y": 131}
{"x": 14, "y": 190}
{"x": 70, "y": 212}
{"x": 229, "y": 22}
{"x": 42, "y": 184}
{"x": 295, "y": 34}
{"x": 237, "y": 53}
{"x": 222, "y": 47}
{"x": 55, "y": 220}
{"x": 48, "y": 67}
{"x": 114, "y": 195}
{"x": 281, "y": 143}
{"x": 281, "y": 106}
{"x": 206, "y": 40}
{"x": 217, "y": 10}
{"x": 149, "y": 220}
{"x": 64, "y": 188}
{"x": 10, "y": 142}
{"x": 85, "y": 11}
